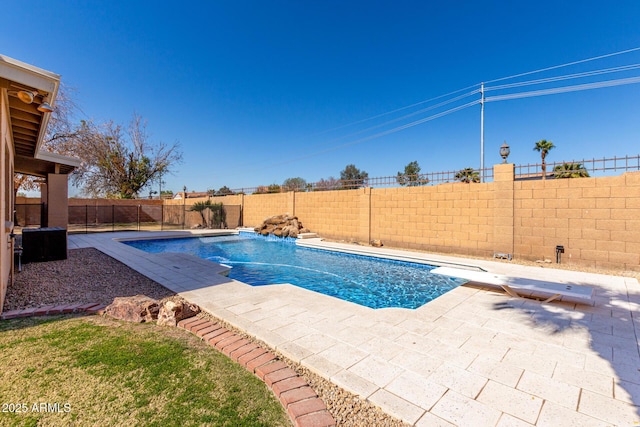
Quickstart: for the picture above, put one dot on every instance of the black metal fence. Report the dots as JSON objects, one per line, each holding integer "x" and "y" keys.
{"x": 595, "y": 167}
{"x": 28, "y": 215}
{"x": 89, "y": 218}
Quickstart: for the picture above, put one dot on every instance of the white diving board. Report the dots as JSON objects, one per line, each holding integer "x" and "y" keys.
{"x": 515, "y": 286}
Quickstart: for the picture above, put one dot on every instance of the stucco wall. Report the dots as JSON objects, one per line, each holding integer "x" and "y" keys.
{"x": 6, "y": 196}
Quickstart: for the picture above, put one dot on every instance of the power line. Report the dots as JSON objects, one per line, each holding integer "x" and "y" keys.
{"x": 566, "y": 65}
{"x": 565, "y": 89}
{"x": 565, "y": 77}
{"x": 397, "y": 129}
{"x": 397, "y": 110}
{"x": 406, "y": 116}
{"x": 540, "y": 81}
{"x": 495, "y": 98}
{"x": 370, "y": 137}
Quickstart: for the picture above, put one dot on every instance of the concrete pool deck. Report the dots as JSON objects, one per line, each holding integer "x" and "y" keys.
{"x": 473, "y": 356}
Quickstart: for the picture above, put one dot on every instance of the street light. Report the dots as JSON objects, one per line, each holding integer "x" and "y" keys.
{"x": 504, "y": 152}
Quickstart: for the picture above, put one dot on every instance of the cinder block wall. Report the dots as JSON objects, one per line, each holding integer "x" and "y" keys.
{"x": 454, "y": 218}
{"x": 597, "y": 220}
{"x": 332, "y": 214}
{"x": 257, "y": 207}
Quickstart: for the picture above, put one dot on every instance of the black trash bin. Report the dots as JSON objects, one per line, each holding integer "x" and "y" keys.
{"x": 44, "y": 244}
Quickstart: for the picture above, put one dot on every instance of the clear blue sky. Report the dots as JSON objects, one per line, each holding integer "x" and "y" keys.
{"x": 254, "y": 90}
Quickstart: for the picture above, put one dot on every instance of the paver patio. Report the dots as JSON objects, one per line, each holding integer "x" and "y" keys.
{"x": 473, "y": 356}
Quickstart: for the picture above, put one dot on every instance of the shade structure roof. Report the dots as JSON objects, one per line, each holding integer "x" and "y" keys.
{"x": 27, "y": 123}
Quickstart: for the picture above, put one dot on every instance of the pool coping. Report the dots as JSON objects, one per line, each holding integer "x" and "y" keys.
{"x": 470, "y": 348}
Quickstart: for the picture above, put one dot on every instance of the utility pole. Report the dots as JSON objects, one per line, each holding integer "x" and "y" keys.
{"x": 482, "y": 132}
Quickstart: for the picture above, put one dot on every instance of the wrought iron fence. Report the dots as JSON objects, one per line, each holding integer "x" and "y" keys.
{"x": 90, "y": 218}
{"x": 114, "y": 218}
{"x": 595, "y": 167}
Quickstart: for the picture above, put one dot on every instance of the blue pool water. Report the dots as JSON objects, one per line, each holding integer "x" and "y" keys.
{"x": 372, "y": 282}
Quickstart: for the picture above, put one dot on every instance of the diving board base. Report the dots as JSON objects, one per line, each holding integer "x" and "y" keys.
{"x": 514, "y": 294}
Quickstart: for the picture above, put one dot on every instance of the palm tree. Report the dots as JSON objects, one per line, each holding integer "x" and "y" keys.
{"x": 570, "y": 170}
{"x": 544, "y": 146}
{"x": 218, "y": 215}
{"x": 200, "y": 207}
{"x": 468, "y": 175}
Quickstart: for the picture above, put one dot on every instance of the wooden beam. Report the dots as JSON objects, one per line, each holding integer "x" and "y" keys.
{"x": 25, "y": 125}
{"x": 27, "y": 117}
{"x": 24, "y": 145}
{"x": 24, "y": 133}
{"x": 17, "y": 105}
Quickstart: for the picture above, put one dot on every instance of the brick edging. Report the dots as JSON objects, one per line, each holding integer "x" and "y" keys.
{"x": 88, "y": 308}
{"x": 301, "y": 402}
{"x": 304, "y": 407}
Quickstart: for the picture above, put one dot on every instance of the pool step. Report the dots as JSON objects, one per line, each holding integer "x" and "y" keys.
{"x": 307, "y": 235}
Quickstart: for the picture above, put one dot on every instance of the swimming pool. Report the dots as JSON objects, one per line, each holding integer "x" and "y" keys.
{"x": 372, "y": 282}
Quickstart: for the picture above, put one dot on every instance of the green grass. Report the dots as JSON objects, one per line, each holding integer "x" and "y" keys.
{"x": 115, "y": 373}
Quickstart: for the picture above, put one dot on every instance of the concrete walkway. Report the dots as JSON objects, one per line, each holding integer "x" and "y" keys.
{"x": 473, "y": 356}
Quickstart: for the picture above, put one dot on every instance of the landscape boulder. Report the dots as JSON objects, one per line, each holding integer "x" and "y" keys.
{"x": 281, "y": 226}
{"x": 171, "y": 312}
{"x": 138, "y": 309}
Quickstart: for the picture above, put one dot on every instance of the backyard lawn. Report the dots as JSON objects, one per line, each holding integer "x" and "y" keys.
{"x": 97, "y": 371}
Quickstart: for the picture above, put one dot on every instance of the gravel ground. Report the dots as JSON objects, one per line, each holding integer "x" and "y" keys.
{"x": 88, "y": 275}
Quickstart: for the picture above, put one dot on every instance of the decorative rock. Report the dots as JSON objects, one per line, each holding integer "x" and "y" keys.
{"x": 281, "y": 226}
{"x": 171, "y": 312}
{"x": 138, "y": 309}
{"x": 290, "y": 231}
{"x": 377, "y": 243}
{"x": 274, "y": 220}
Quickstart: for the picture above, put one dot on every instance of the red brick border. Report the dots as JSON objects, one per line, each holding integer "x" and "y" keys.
{"x": 301, "y": 402}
